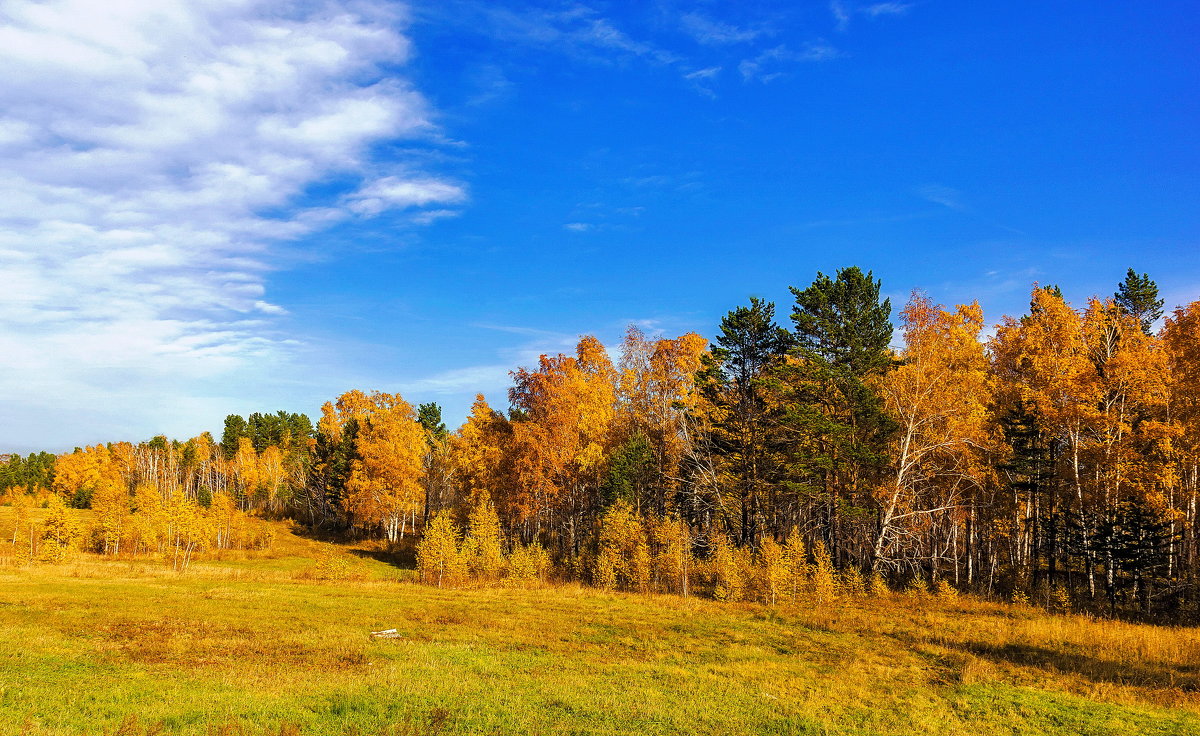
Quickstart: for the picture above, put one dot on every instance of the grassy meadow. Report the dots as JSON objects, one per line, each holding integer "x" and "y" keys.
{"x": 267, "y": 643}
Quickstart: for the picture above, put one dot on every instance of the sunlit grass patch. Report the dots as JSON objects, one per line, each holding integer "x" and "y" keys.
{"x": 252, "y": 646}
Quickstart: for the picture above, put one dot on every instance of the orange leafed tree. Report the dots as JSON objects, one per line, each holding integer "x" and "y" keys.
{"x": 95, "y": 473}
{"x": 77, "y": 471}
{"x": 384, "y": 489}
{"x": 657, "y": 391}
{"x": 562, "y": 444}
{"x": 1131, "y": 377}
{"x": 1131, "y": 374}
{"x": 272, "y": 478}
{"x": 939, "y": 397}
{"x": 1044, "y": 369}
{"x": 246, "y": 469}
{"x": 478, "y": 456}
{"x": 1181, "y": 342}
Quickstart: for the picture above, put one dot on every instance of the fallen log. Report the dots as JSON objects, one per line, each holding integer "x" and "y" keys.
{"x": 385, "y": 634}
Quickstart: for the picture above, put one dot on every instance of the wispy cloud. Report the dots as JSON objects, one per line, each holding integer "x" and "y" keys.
{"x": 768, "y": 65}
{"x": 156, "y": 155}
{"x": 492, "y": 84}
{"x": 841, "y": 14}
{"x": 943, "y": 195}
{"x": 746, "y": 38}
{"x": 490, "y": 379}
{"x": 493, "y": 378}
{"x": 702, "y": 80}
{"x": 577, "y": 30}
{"x": 877, "y": 9}
{"x": 402, "y": 192}
{"x": 712, "y": 32}
{"x": 953, "y": 199}
{"x": 844, "y": 10}
{"x": 701, "y": 74}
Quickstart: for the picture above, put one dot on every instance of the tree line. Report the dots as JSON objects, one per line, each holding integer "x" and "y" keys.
{"x": 1057, "y": 457}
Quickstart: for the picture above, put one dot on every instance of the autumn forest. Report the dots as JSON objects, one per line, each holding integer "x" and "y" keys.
{"x": 1053, "y": 458}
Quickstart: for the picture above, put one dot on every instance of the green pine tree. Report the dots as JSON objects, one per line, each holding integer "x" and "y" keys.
{"x": 1138, "y": 296}
{"x": 833, "y": 419}
{"x": 430, "y": 417}
{"x": 235, "y": 429}
{"x": 742, "y": 437}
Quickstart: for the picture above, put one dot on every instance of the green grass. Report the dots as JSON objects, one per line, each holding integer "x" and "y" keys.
{"x": 253, "y": 644}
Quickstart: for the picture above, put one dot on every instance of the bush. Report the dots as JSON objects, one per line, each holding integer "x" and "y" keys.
{"x": 944, "y": 590}
{"x": 527, "y": 564}
{"x": 728, "y": 580}
{"x": 438, "y": 559}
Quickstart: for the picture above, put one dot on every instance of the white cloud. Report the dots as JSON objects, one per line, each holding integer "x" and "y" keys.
{"x": 712, "y": 32}
{"x": 401, "y": 193}
{"x": 493, "y": 379}
{"x": 490, "y": 379}
{"x": 843, "y": 11}
{"x": 427, "y": 216}
{"x": 575, "y": 29}
{"x": 703, "y": 74}
{"x": 578, "y": 227}
{"x": 841, "y": 14}
{"x": 817, "y": 51}
{"x": 142, "y": 146}
{"x": 940, "y": 194}
{"x": 878, "y": 9}
{"x": 765, "y": 67}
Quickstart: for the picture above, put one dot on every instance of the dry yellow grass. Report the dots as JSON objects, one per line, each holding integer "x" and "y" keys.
{"x": 270, "y": 643}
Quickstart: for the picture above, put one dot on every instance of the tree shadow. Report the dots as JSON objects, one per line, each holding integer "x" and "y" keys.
{"x": 1185, "y": 678}
{"x": 402, "y": 559}
{"x": 325, "y": 534}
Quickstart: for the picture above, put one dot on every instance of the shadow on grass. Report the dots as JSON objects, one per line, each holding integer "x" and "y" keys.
{"x": 401, "y": 559}
{"x": 331, "y": 535}
{"x": 1152, "y": 675}
{"x": 401, "y": 555}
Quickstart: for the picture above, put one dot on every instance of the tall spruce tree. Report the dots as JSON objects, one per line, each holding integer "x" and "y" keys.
{"x": 1138, "y": 296}
{"x": 436, "y": 482}
{"x": 430, "y": 417}
{"x": 843, "y": 324}
{"x": 630, "y": 473}
{"x": 837, "y": 421}
{"x": 235, "y": 429}
{"x": 740, "y": 425}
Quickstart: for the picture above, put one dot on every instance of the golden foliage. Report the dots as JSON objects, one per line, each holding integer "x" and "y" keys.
{"x": 385, "y": 483}
{"x": 824, "y": 577}
{"x": 771, "y": 572}
{"x": 623, "y": 558}
{"x": 672, "y": 559}
{"x": 439, "y": 561}
{"x": 482, "y": 547}
{"x": 795, "y": 564}
{"x": 940, "y": 396}
{"x": 563, "y": 443}
{"x": 727, "y": 570}
{"x": 479, "y": 452}
{"x": 60, "y": 532}
{"x": 527, "y": 564}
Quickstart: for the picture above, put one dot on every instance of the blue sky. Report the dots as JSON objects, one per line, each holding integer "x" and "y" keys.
{"x": 237, "y": 206}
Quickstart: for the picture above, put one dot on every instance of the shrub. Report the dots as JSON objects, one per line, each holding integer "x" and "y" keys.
{"x": 528, "y": 563}
{"x": 728, "y": 583}
{"x": 438, "y": 559}
{"x": 944, "y": 590}
{"x": 824, "y": 580}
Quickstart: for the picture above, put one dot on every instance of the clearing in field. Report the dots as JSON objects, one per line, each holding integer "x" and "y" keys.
{"x": 262, "y": 644}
